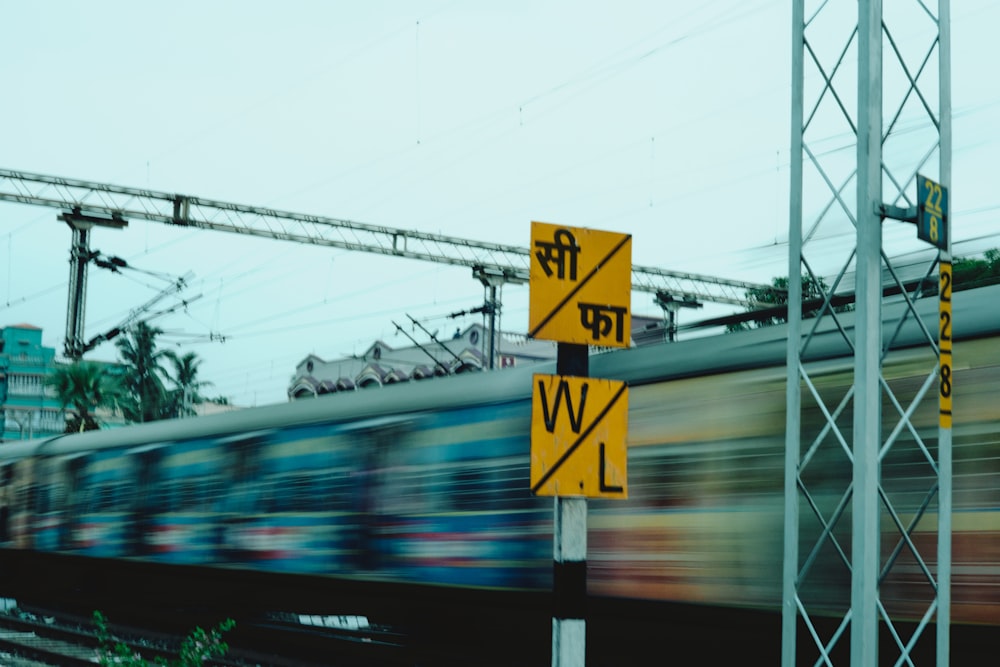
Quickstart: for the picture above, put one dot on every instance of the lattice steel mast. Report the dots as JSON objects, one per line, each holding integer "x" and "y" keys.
{"x": 816, "y": 515}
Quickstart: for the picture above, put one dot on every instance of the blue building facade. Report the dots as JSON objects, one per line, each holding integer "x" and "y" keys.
{"x": 28, "y": 409}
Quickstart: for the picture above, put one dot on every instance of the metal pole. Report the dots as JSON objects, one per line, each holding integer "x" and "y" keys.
{"x": 793, "y": 391}
{"x": 569, "y": 548}
{"x": 569, "y": 555}
{"x": 944, "y": 431}
{"x": 491, "y": 280}
{"x": 868, "y": 342}
{"x": 493, "y": 325}
{"x": 76, "y": 307}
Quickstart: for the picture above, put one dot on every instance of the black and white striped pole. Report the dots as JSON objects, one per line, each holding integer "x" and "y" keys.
{"x": 578, "y": 423}
{"x": 569, "y": 547}
{"x": 569, "y": 586}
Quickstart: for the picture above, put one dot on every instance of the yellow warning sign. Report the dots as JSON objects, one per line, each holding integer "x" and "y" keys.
{"x": 580, "y": 285}
{"x": 578, "y": 432}
{"x": 944, "y": 347}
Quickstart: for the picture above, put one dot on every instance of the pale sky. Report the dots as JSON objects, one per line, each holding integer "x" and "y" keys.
{"x": 664, "y": 119}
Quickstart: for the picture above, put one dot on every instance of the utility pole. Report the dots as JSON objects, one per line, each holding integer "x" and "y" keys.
{"x": 79, "y": 259}
{"x": 491, "y": 280}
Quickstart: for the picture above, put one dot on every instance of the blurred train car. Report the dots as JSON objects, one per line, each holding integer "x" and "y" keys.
{"x": 427, "y": 483}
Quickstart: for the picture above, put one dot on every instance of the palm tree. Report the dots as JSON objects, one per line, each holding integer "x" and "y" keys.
{"x": 146, "y": 399}
{"x": 86, "y": 386}
{"x": 186, "y": 384}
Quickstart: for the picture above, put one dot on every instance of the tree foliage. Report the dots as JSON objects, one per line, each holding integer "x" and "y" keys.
{"x": 145, "y": 396}
{"x": 767, "y": 302}
{"x": 151, "y": 391}
{"x": 186, "y": 385}
{"x": 967, "y": 274}
{"x": 196, "y": 649}
{"x": 971, "y": 273}
{"x": 84, "y": 386}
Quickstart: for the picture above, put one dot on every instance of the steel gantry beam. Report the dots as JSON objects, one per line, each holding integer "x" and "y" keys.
{"x": 509, "y": 263}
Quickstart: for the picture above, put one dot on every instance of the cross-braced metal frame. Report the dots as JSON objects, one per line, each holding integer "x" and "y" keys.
{"x": 866, "y": 478}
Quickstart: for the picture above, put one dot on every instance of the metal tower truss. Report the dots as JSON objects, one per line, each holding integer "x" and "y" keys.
{"x": 867, "y": 478}
{"x": 496, "y": 261}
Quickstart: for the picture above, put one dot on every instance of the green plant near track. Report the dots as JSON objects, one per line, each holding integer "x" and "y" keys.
{"x": 199, "y": 647}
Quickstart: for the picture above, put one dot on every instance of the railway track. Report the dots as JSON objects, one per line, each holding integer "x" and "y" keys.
{"x": 36, "y": 636}
{"x": 28, "y": 641}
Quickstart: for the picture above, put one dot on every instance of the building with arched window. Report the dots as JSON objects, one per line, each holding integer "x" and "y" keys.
{"x": 382, "y": 364}
{"x": 464, "y": 352}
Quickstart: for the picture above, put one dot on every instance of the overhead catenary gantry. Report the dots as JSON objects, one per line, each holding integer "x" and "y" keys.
{"x": 495, "y": 261}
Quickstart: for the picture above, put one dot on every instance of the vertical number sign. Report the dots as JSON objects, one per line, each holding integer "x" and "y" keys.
{"x": 944, "y": 345}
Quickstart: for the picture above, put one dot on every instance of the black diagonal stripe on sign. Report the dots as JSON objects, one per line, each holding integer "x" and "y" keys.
{"x": 579, "y": 441}
{"x": 580, "y": 285}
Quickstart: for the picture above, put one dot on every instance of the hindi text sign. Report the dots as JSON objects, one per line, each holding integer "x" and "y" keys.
{"x": 580, "y": 285}
{"x": 578, "y": 432}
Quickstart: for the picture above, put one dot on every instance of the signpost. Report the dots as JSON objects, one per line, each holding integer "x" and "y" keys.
{"x": 934, "y": 228}
{"x": 580, "y": 294}
{"x": 944, "y": 345}
{"x": 932, "y": 212}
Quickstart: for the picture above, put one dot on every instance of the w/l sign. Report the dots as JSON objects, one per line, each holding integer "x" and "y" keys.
{"x": 580, "y": 285}
{"x": 578, "y": 433}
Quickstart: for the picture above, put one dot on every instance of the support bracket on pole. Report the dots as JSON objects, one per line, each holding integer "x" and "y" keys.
{"x": 900, "y": 213}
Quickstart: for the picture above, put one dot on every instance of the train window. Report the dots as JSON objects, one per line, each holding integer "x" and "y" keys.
{"x": 265, "y": 499}
{"x": 195, "y": 492}
{"x": 470, "y": 490}
{"x": 413, "y": 491}
{"x": 272, "y": 501}
{"x": 238, "y": 498}
{"x": 164, "y": 498}
{"x": 176, "y": 496}
{"x": 105, "y": 500}
{"x": 85, "y": 499}
{"x": 215, "y": 491}
{"x": 339, "y": 490}
{"x": 156, "y": 499}
{"x": 189, "y": 495}
{"x": 283, "y": 498}
{"x": 297, "y": 493}
{"x": 125, "y": 496}
{"x": 24, "y": 495}
{"x": 51, "y": 498}
{"x": 512, "y": 486}
{"x": 300, "y": 492}
{"x": 42, "y": 500}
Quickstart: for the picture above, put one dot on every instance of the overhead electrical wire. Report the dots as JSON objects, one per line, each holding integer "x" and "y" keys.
{"x": 236, "y": 282}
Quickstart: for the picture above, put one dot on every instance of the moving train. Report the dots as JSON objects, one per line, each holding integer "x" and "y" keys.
{"x": 428, "y": 482}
